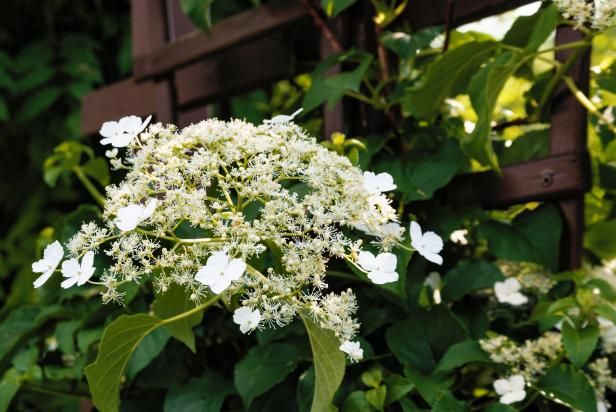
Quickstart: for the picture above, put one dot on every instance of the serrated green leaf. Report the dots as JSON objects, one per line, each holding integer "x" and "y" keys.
{"x": 579, "y": 343}
{"x": 569, "y": 386}
{"x": 120, "y": 339}
{"x": 329, "y": 365}
{"x": 174, "y": 301}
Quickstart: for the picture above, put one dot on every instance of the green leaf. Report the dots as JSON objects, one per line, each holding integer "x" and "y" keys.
{"x": 204, "y": 394}
{"x": 419, "y": 179}
{"x": 4, "y": 110}
{"x": 357, "y": 402}
{"x": 449, "y": 76}
{"x": 448, "y": 403}
{"x": 579, "y": 343}
{"x": 533, "y": 144}
{"x": 199, "y": 12}
{"x": 460, "y": 354}
{"x": 263, "y": 367}
{"x": 500, "y": 407}
{"x": 533, "y": 236}
{"x": 484, "y": 89}
{"x": 174, "y": 301}
{"x": 38, "y": 77}
{"x": 397, "y": 387}
{"x": 329, "y": 364}
{"x": 372, "y": 377}
{"x": 120, "y": 339}
{"x": 9, "y": 385}
{"x": 569, "y": 386}
{"x": 407, "y": 45}
{"x": 98, "y": 169}
{"x": 468, "y": 277}
{"x": 150, "y": 347}
{"x": 530, "y": 32}
{"x": 430, "y": 387}
{"x": 376, "y": 397}
{"x": 334, "y": 7}
{"x": 600, "y": 239}
{"x": 38, "y": 102}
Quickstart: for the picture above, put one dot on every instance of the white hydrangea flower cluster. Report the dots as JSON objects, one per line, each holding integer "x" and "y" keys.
{"x": 205, "y": 206}
{"x": 601, "y": 379}
{"x": 531, "y": 276}
{"x": 600, "y": 14}
{"x": 530, "y": 359}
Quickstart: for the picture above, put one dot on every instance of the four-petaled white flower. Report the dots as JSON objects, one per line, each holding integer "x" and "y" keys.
{"x": 383, "y": 182}
{"x": 428, "y": 244}
{"x": 381, "y": 269}
{"x": 78, "y": 273}
{"x": 122, "y": 132}
{"x": 219, "y": 271}
{"x": 283, "y": 118}
{"x": 511, "y": 390}
{"x": 352, "y": 349}
{"x": 52, "y": 255}
{"x": 131, "y": 216}
{"x": 509, "y": 292}
{"x": 247, "y": 318}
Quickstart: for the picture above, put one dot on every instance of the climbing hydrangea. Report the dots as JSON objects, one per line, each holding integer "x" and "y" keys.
{"x": 599, "y": 14}
{"x": 205, "y": 206}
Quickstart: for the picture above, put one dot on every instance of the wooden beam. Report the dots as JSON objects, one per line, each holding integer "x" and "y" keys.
{"x": 122, "y": 99}
{"x": 229, "y": 32}
{"x": 252, "y": 65}
{"x": 148, "y": 26}
{"x": 553, "y": 178}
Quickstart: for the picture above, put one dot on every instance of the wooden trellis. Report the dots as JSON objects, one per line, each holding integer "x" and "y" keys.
{"x": 178, "y": 70}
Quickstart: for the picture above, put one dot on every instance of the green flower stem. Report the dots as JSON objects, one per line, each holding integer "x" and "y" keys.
{"x": 343, "y": 275}
{"x": 401, "y": 246}
{"x": 87, "y": 183}
{"x": 54, "y": 392}
{"x": 212, "y": 300}
{"x": 587, "y": 103}
{"x": 253, "y": 271}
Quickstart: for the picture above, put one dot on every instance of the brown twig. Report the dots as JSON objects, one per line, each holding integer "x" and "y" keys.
{"x": 515, "y": 122}
{"x": 320, "y": 23}
{"x": 382, "y": 54}
{"x": 448, "y": 23}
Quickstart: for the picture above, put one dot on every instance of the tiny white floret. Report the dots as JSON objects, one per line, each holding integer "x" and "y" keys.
{"x": 511, "y": 389}
{"x": 509, "y": 292}
{"x": 383, "y": 182}
{"x": 283, "y": 118}
{"x": 112, "y": 154}
{"x": 129, "y": 217}
{"x": 52, "y": 255}
{"x": 381, "y": 269}
{"x": 78, "y": 273}
{"x": 219, "y": 271}
{"x": 353, "y": 349}
{"x": 247, "y": 318}
{"x": 459, "y": 236}
{"x": 428, "y": 244}
{"x": 122, "y": 132}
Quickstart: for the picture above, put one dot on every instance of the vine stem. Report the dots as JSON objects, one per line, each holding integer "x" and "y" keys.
{"x": 587, "y": 103}
{"x": 87, "y": 183}
{"x": 194, "y": 310}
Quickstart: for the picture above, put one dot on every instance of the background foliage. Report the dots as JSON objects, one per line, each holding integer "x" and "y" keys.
{"x": 421, "y": 352}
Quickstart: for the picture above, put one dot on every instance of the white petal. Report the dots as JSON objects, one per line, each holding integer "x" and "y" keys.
{"x": 386, "y": 262}
{"x": 69, "y": 282}
{"x": 385, "y": 182}
{"x": 130, "y": 124}
{"x": 517, "y": 383}
{"x": 366, "y": 261}
{"x": 71, "y": 268}
{"x": 109, "y": 129}
{"x": 128, "y": 217}
{"x": 53, "y": 253}
{"x": 432, "y": 257}
{"x": 433, "y": 280}
{"x": 218, "y": 260}
{"x": 43, "y": 278}
{"x": 40, "y": 266}
{"x": 208, "y": 275}
{"x": 221, "y": 285}
{"x": 501, "y": 386}
{"x": 145, "y": 124}
{"x": 149, "y": 209}
{"x": 235, "y": 269}
{"x": 87, "y": 262}
{"x": 511, "y": 285}
{"x": 242, "y": 315}
{"x": 432, "y": 242}
{"x": 513, "y": 397}
{"x": 516, "y": 299}
{"x": 415, "y": 231}
{"x": 380, "y": 278}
